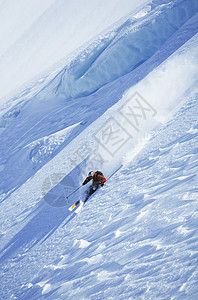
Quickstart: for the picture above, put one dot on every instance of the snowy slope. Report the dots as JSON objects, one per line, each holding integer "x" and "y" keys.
{"x": 35, "y": 118}
{"x": 137, "y": 238}
{"x": 129, "y": 97}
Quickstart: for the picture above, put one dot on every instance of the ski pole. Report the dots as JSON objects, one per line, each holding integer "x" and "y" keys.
{"x": 74, "y": 191}
{"x": 115, "y": 172}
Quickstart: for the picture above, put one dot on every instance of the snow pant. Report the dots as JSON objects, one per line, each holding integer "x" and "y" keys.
{"x": 92, "y": 189}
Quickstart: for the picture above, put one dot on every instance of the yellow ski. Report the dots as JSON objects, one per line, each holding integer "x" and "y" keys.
{"x": 74, "y": 205}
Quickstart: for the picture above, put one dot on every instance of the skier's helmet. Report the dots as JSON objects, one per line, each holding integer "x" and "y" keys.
{"x": 91, "y": 174}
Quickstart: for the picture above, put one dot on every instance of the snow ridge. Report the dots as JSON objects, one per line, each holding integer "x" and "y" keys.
{"x": 123, "y": 50}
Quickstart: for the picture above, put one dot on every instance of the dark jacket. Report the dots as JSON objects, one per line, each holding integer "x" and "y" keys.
{"x": 97, "y": 179}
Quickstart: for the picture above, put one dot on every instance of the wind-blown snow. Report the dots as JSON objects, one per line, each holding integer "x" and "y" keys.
{"x": 136, "y": 238}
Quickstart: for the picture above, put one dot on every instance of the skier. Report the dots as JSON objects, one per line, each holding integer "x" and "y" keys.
{"x": 98, "y": 180}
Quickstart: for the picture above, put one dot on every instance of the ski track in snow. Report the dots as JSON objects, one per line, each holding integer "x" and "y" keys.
{"x": 136, "y": 238}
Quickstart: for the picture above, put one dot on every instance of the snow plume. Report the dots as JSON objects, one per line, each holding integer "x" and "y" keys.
{"x": 152, "y": 101}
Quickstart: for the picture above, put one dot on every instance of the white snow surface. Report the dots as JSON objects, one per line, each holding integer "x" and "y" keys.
{"x": 123, "y": 99}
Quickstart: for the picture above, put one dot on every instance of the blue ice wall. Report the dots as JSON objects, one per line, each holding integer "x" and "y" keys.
{"x": 124, "y": 49}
